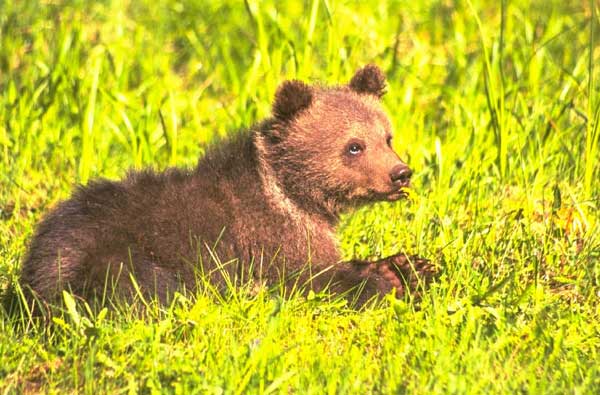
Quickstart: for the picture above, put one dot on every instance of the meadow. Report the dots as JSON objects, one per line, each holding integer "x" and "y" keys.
{"x": 495, "y": 105}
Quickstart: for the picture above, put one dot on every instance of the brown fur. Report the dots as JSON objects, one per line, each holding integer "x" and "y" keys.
{"x": 270, "y": 197}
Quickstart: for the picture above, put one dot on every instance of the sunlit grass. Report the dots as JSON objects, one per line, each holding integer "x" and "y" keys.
{"x": 495, "y": 106}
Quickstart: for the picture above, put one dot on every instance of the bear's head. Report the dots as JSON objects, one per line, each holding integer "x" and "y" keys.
{"x": 330, "y": 147}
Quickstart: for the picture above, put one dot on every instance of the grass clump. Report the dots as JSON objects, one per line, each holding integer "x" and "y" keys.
{"x": 495, "y": 106}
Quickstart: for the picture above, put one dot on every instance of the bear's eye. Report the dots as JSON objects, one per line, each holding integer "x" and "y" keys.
{"x": 388, "y": 140}
{"x": 355, "y": 148}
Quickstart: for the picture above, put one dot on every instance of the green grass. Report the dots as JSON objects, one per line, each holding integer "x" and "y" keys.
{"x": 496, "y": 107}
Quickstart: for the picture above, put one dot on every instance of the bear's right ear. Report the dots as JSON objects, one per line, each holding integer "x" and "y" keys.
{"x": 291, "y": 98}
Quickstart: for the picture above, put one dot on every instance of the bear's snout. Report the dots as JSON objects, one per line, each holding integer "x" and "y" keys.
{"x": 400, "y": 175}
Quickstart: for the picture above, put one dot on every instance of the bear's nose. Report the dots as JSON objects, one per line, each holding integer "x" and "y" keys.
{"x": 400, "y": 175}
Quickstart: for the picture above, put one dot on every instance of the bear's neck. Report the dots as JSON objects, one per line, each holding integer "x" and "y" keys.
{"x": 294, "y": 207}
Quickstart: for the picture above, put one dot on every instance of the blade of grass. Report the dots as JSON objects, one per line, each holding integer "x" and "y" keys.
{"x": 592, "y": 134}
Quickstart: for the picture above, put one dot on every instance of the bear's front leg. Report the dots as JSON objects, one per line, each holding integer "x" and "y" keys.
{"x": 363, "y": 280}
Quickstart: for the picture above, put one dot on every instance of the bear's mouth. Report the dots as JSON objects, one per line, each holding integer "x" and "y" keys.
{"x": 389, "y": 196}
{"x": 396, "y": 195}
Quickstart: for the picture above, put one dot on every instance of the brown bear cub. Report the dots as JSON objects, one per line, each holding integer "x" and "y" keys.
{"x": 260, "y": 207}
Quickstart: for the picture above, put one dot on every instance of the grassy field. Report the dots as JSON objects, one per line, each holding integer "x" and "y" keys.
{"x": 495, "y": 105}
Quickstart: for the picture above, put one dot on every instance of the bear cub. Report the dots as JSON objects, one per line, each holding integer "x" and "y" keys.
{"x": 259, "y": 207}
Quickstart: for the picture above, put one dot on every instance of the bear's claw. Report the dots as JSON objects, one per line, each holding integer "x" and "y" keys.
{"x": 408, "y": 274}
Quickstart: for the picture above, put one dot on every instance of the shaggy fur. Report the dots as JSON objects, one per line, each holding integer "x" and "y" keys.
{"x": 259, "y": 207}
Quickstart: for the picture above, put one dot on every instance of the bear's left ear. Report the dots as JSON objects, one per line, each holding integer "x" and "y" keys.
{"x": 369, "y": 80}
{"x": 291, "y": 98}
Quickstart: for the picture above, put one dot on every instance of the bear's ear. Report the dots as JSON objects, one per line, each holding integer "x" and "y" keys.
{"x": 291, "y": 98}
{"x": 369, "y": 80}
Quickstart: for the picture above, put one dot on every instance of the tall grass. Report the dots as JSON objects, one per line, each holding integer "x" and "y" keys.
{"x": 494, "y": 105}
{"x": 593, "y": 110}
